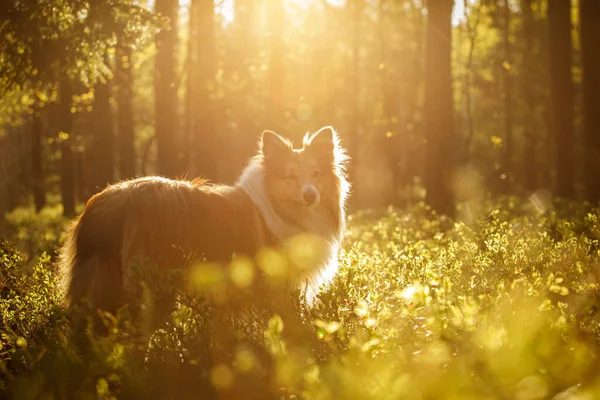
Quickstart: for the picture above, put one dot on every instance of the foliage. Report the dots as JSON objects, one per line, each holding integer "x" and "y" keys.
{"x": 504, "y": 306}
{"x": 37, "y": 233}
{"x": 41, "y": 38}
{"x": 28, "y": 311}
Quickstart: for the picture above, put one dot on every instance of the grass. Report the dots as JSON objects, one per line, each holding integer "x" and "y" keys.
{"x": 502, "y": 307}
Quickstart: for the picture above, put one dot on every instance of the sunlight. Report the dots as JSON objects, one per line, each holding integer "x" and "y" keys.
{"x": 300, "y": 199}
{"x": 458, "y": 13}
{"x": 226, "y": 7}
{"x": 223, "y": 8}
{"x": 304, "y": 4}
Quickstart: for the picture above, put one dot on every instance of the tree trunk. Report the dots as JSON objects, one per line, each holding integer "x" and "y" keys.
{"x": 471, "y": 26}
{"x": 37, "y": 160}
{"x": 243, "y": 56}
{"x": 124, "y": 94}
{"x": 590, "y": 33}
{"x": 356, "y": 8}
{"x": 437, "y": 112}
{"x": 165, "y": 85}
{"x": 201, "y": 84}
{"x": 103, "y": 150}
{"x": 276, "y": 67}
{"x": 191, "y": 63}
{"x": 508, "y": 100}
{"x": 528, "y": 164}
{"x": 561, "y": 88}
{"x": 67, "y": 163}
{"x": 390, "y": 140}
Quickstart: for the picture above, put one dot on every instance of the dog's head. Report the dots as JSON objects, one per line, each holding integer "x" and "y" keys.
{"x": 299, "y": 179}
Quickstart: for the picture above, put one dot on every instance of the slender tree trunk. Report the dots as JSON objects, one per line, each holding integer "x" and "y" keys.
{"x": 561, "y": 86}
{"x": 67, "y": 163}
{"x": 528, "y": 163}
{"x": 83, "y": 177}
{"x": 201, "y": 86}
{"x": 191, "y": 63}
{"x": 414, "y": 149}
{"x": 125, "y": 126}
{"x": 390, "y": 141}
{"x": 247, "y": 48}
{"x": 472, "y": 26}
{"x": 165, "y": 84}
{"x": 354, "y": 94}
{"x": 37, "y": 161}
{"x": 276, "y": 67}
{"x": 508, "y": 100}
{"x": 438, "y": 107}
{"x": 103, "y": 150}
{"x": 467, "y": 95}
{"x": 590, "y": 34}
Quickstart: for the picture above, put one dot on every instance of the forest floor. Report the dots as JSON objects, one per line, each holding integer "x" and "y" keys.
{"x": 505, "y": 306}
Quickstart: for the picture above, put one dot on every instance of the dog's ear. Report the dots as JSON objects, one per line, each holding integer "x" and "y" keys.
{"x": 324, "y": 141}
{"x": 272, "y": 144}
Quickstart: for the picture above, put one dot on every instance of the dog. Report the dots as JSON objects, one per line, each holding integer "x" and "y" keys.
{"x": 282, "y": 193}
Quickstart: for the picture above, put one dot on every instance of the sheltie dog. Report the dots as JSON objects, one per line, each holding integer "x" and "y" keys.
{"x": 283, "y": 192}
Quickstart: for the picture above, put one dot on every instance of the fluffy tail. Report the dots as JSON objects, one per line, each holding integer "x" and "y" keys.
{"x": 90, "y": 266}
{"x": 67, "y": 265}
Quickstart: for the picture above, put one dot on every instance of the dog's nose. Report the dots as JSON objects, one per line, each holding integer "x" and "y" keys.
{"x": 310, "y": 197}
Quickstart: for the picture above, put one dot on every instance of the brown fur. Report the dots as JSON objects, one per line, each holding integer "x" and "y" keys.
{"x": 164, "y": 221}
{"x": 160, "y": 220}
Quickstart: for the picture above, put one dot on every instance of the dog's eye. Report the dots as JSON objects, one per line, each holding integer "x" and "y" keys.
{"x": 316, "y": 174}
{"x": 291, "y": 177}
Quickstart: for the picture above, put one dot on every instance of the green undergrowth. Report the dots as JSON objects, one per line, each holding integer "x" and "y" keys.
{"x": 504, "y": 306}
{"x": 36, "y": 233}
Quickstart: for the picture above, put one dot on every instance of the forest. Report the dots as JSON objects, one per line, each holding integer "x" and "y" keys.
{"x": 469, "y": 264}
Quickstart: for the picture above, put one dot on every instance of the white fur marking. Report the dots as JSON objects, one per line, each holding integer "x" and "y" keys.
{"x": 252, "y": 182}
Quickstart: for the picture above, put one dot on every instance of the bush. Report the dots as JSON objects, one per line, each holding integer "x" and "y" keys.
{"x": 36, "y": 233}
{"x": 504, "y": 306}
{"x": 29, "y": 311}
